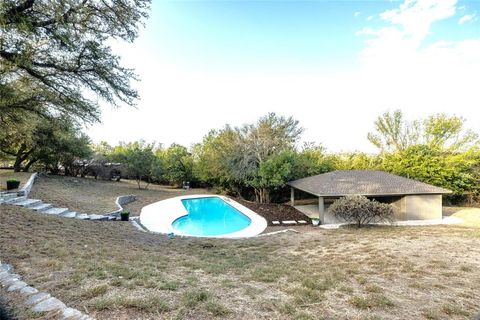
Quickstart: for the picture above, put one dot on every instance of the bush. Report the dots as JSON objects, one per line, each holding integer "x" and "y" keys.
{"x": 360, "y": 210}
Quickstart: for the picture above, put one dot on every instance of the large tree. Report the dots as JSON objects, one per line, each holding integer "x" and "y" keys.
{"x": 54, "y": 142}
{"x": 393, "y": 133}
{"x": 256, "y": 144}
{"x": 139, "y": 159}
{"x": 177, "y": 162}
{"x": 55, "y": 55}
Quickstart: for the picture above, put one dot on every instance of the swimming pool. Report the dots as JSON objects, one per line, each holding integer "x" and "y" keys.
{"x": 202, "y": 216}
{"x": 210, "y": 216}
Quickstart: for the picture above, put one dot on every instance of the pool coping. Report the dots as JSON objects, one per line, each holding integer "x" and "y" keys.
{"x": 159, "y": 216}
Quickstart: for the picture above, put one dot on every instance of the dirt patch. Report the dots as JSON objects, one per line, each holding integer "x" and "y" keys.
{"x": 275, "y": 212}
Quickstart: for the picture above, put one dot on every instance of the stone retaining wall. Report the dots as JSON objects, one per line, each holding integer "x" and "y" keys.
{"x": 27, "y": 187}
{"x": 122, "y": 200}
{"x": 38, "y": 302}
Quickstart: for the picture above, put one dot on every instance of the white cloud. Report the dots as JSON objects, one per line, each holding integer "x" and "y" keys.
{"x": 466, "y": 18}
{"x": 399, "y": 46}
{"x": 356, "y": 14}
{"x": 415, "y": 17}
{"x": 369, "y": 18}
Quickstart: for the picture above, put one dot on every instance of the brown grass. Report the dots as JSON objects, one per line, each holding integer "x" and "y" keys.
{"x": 113, "y": 271}
{"x": 9, "y": 174}
{"x": 97, "y": 196}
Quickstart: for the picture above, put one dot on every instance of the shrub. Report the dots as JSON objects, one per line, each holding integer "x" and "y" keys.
{"x": 360, "y": 210}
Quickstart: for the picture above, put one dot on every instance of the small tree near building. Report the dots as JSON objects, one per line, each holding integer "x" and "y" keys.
{"x": 361, "y": 211}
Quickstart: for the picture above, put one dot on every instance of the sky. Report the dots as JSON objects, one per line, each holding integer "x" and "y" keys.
{"x": 335, "y": 66}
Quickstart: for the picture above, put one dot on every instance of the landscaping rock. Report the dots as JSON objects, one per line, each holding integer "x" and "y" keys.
{"x": 27, "y": 291}
{"x": 6, "y": 267}
{"x": 289, "y": 222}
{"x": 17, "y": 285}
{"x": 82, "y": 216}
{"x": 14, "y": 200}
{"x": 36, "y": 298}
{"x": 28, "y": 203}
{"x": 69, "y": 313}
{"x": 70, "y": 214}
{"x": 7, "y": 281}
{"x": 41, "y": 207}
{"x": 97, "y": 217}
{"x": 4, "y": 274}
{"x": 56, "y": 211}
{"x": 48, "y": 305}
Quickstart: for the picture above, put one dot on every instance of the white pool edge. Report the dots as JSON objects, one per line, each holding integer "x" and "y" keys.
{"x": 159, "y": 216}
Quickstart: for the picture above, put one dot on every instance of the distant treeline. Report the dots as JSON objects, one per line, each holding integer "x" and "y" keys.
{"x": 256, "y": 161}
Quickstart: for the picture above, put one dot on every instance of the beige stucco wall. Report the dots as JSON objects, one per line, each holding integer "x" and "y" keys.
{"x": 400, "y": 208}
{"x": 412, "y": 207}
{"x": 423, "y": 207}
{"x": 418, "y": 207}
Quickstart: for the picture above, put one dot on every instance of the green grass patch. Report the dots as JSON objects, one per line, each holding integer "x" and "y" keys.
{"x": 371, "y": 301}
{"x": 217, "y": 309}
{"x": 94, "y": 291}
{"x": 193, "y": 298}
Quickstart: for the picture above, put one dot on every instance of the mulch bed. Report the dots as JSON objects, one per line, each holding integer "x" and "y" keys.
{"x": 273, "y": 211}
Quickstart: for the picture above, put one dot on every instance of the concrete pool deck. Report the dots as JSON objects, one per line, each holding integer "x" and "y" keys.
{"x": 159, "y": 216}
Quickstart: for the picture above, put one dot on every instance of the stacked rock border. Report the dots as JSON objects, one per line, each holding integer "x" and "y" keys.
{"x": 42, "y": 301}
{"x": 34, "y": 299}
{"x": 20, "y": 198}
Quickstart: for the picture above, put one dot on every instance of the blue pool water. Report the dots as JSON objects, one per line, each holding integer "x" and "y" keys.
{"x": 209, "y": 217}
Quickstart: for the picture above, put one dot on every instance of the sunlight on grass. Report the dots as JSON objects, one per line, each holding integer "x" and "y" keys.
{"x": 471, "y": 217}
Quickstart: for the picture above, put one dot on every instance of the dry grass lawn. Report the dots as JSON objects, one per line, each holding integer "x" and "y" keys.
{"x": 113, "y": 271}
{"x": 9, "y": 174}
{"x": 97, "y": 196}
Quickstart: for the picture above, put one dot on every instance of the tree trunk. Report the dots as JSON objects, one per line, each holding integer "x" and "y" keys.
{"x": 29, "y": 164}
{"x": 20, "y": 157}
{"x": 17, "y": 167}
{"x": 262, "y": 195}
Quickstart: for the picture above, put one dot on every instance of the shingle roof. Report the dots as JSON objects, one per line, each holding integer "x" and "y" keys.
{"x": 364, "y": 182}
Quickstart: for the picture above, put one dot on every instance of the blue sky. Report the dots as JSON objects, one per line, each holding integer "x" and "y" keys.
{"x": 333, "y": 65}
{"x": 274, "y": 35}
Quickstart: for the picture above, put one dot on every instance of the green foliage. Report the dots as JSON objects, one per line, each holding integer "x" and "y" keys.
{"x": 213, "y": 159}
{"x": 53, "y": 52}
{"x": 394, "y": 134}
{"x": 140, "y": 161}
{"x": 314, "y": 160}
{"x": 438, "y": 150}
{"x": 177, "y": 162}
{"x": 358, "y": 161}
{"x": 260, "y": 156}
{"x": 457, "y": 171}
{"x": 361, "y": 211}
{"x": 52, "y": 142}
{"x": 13, "y": 180}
